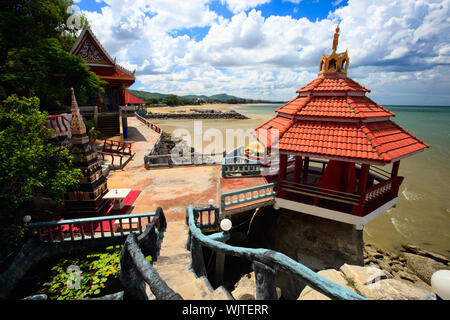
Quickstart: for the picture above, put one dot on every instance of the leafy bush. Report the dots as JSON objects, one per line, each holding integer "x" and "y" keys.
{"x": 99, "y": 271}
{"x": 29, "y": 165}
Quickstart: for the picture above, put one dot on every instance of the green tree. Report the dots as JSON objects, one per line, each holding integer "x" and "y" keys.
{"x": 172, "y": 100}
{"x": 29, "y": 164}
{"x": 34, "y": 53}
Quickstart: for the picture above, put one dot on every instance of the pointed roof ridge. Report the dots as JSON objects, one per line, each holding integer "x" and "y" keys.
{"x": 88, "y": 30}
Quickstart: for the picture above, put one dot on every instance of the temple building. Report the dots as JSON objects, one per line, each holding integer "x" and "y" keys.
{"x": 118, "y": 78}
{"x": 87, "y": 198}
{"x": 334, "y": 143}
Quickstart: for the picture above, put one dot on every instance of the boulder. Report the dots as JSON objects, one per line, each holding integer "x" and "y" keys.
{"x": 393, "y": 289}
{"x": 424, "y": 267}
{"x": 309, "y": 293}
{"x": 370, "y": 282}
{"x": 245, "y": 288}
{"x": 364, "y": 275}
{"x": 416, "y": 250}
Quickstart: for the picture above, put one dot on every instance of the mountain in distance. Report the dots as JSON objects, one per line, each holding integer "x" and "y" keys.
{"x": 222, "y": 97}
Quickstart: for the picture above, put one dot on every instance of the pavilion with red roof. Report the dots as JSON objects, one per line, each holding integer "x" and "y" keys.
{"x": 332, "y": 140}
{"x": 117, "y": 79}
{"x": 133, "y": 100}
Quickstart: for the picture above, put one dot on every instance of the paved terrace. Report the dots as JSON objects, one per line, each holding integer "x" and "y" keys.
{"x": 171, "y": 189}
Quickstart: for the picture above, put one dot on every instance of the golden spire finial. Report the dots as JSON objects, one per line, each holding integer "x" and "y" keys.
{"x": 336, "y": 39}
{"x": 335, "y": 62}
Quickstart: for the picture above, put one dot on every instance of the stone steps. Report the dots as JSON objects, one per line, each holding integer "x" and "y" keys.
{"x": 173, "y": 267}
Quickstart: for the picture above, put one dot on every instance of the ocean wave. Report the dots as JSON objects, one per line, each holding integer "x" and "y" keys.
{"x": 411, "y": 196}
{"x": 400, "y": 227}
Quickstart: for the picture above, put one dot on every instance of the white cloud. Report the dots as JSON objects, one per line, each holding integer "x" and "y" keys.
{"x": 237, "y": 6}
{"x": 257, "y": 57}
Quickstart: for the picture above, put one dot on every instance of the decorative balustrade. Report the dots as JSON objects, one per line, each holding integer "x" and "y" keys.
{"x": 90, "y": 228}
{"x": 240, "y": 166}
{"x": 206, "y": 217}
{"x": 381, "y": 189}
{"x": 60, "y": 124}
{"x": 113, "y": 156}
{"x": 264, "y": 262}
{"x": 246, "y": 197}
{"x": 111, "y": 146}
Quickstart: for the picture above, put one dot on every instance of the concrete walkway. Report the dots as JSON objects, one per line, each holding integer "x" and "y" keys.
{"x": 171, "y": 189}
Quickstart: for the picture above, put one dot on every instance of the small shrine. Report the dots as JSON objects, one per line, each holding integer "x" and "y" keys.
{"x": 87, "y": 199}
{"x": 334, "y": 144}
{"x": 100, "y": 62}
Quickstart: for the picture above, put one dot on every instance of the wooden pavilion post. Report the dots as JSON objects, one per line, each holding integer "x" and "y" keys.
{"x": 363, "y": 176}
{"x": 297, "y": 168}
{"x": 282, "y": 174}
{"x": 305, "y": 169}
{"x": 395, "y": 167}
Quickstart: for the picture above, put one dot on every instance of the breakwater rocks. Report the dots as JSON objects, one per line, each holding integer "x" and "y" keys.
{"x": 196, "y": 114}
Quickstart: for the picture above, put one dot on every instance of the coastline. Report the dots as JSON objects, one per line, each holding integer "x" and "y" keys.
{"x": 215, "y": 106}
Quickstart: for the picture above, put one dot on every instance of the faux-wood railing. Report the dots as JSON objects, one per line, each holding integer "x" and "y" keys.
{"x": 265, "y": 262}
{"x": 136, "y": 270}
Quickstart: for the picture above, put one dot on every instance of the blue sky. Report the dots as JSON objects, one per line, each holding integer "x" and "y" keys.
{"x": 266, "y": 49}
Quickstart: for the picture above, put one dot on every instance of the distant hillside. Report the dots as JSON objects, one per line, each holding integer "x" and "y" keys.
{"x": 222, "y": 97}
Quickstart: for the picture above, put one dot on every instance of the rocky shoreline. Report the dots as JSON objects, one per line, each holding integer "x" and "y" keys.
{"x": 412, "y": 264}
{"x": 384, "y": 276}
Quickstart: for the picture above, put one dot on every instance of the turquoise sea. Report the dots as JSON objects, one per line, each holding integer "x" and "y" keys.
{"x": 422, "y": 215}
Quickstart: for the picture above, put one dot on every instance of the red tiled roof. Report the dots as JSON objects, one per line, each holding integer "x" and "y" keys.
{"x": 324, "y": 83}
{"x": 330, "y": 123}
{"x": 265, "y": 131}
{"x": 380, "y": 142}
{"x": 110, "y": 72}
{"x": 129, "y": 98}
{"x": 334, "y": 106}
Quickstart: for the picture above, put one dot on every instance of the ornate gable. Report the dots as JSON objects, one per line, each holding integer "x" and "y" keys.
{"x": 90, "y": 50}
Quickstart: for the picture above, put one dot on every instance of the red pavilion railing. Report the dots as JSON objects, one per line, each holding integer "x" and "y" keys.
{"x": 59, "y": 123}
{"x": 353, "y": 203}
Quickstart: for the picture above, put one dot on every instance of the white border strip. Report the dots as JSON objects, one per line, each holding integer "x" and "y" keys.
{"x": 358, "y": 222}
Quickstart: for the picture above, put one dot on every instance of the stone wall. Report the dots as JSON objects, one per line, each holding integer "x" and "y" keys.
{"x": 315, "y": 242}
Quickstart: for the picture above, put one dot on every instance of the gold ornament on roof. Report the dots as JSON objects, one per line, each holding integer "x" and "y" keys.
{"x": 335, "y": 62}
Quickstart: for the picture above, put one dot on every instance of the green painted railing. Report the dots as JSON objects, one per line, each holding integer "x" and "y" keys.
{"x": 265, "y": 262}
{"x": 247, "y": 196}
{"x": 240, "y": 166}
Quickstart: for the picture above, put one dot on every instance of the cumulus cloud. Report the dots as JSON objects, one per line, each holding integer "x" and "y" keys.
{"x": 237, "y": 6}
{"x": 270, "y": 57}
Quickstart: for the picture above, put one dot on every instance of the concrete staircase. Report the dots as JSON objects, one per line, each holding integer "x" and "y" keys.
{"x": 109, "y": 124}
{"x": 173, "y": 267}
